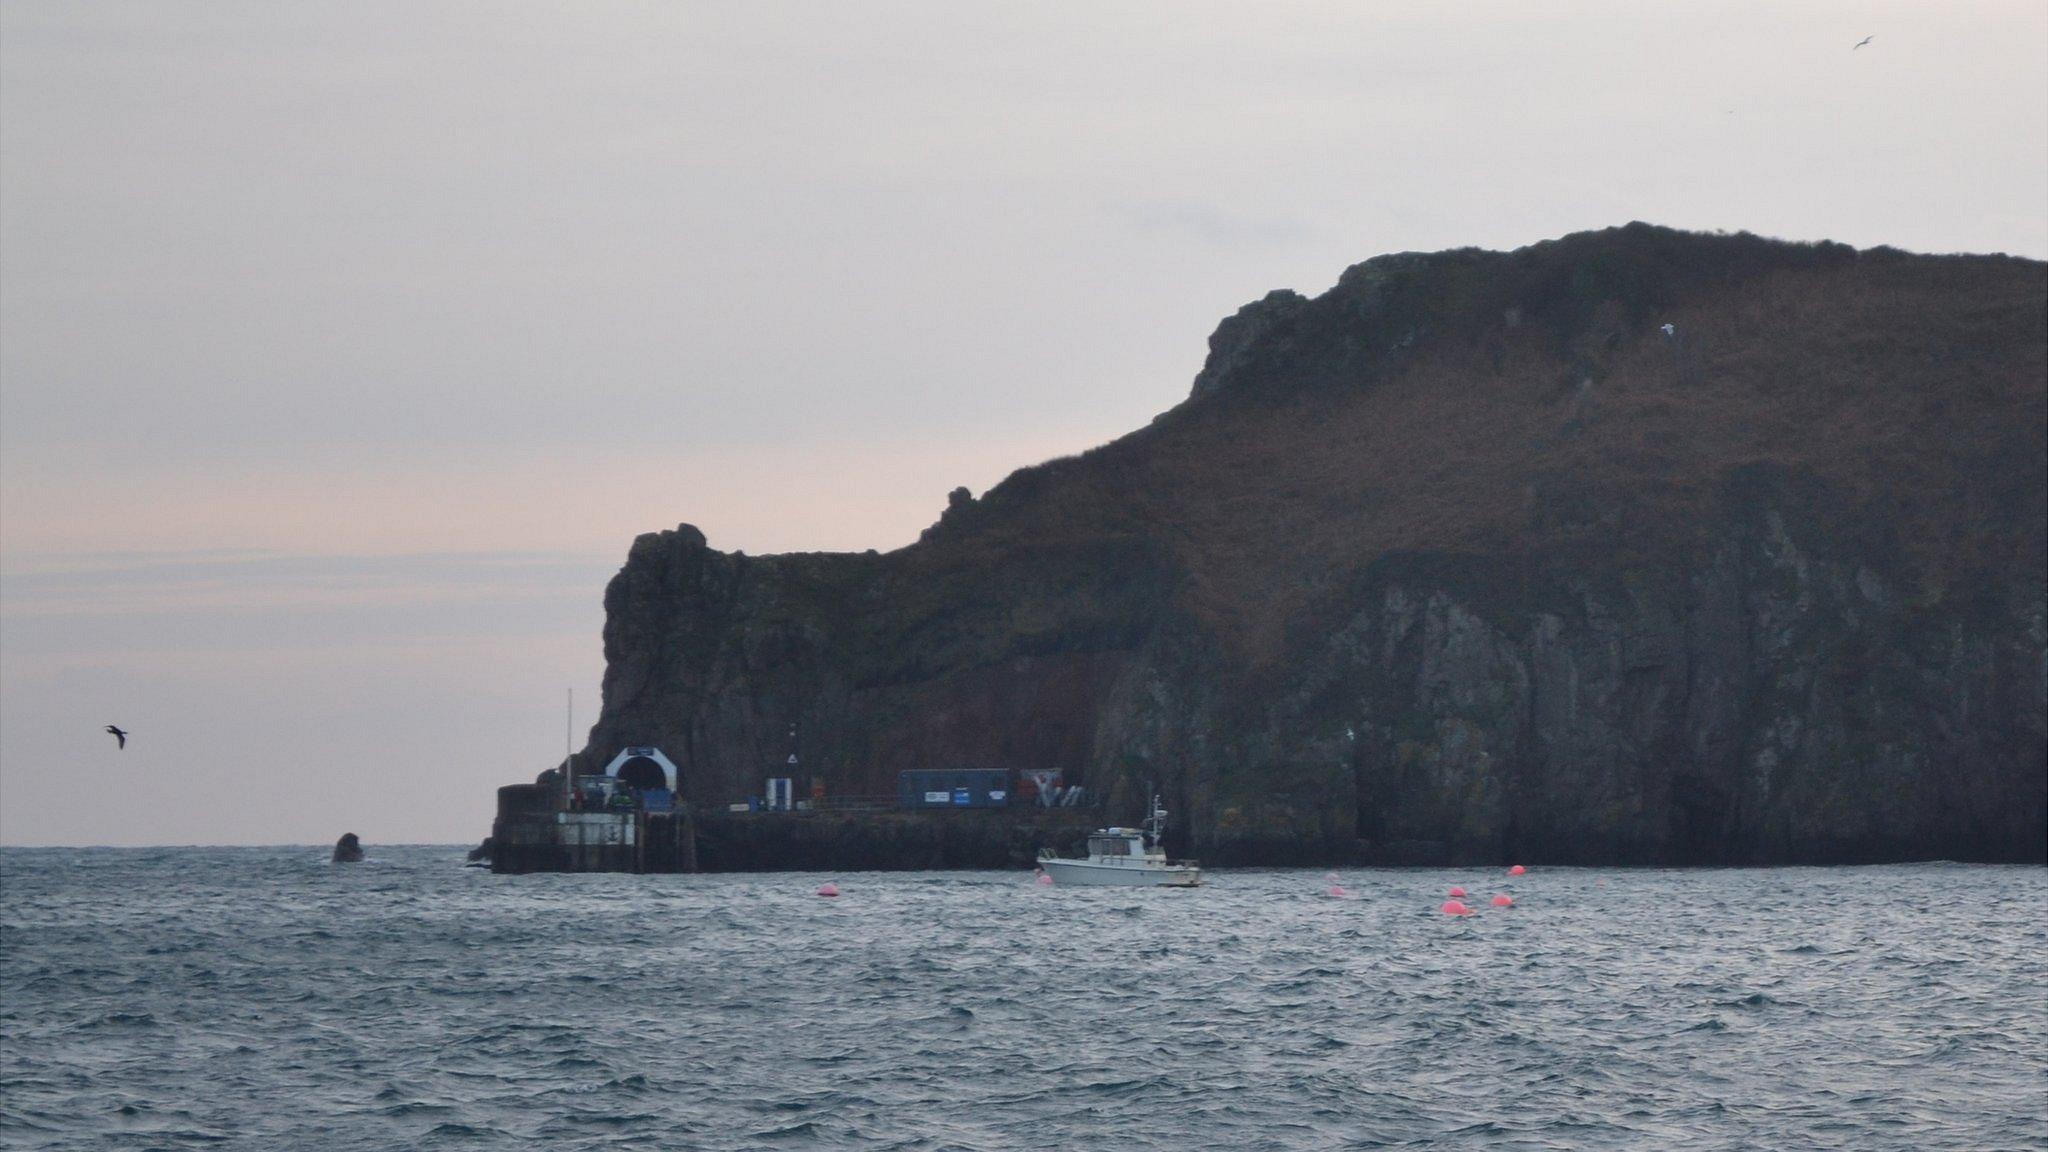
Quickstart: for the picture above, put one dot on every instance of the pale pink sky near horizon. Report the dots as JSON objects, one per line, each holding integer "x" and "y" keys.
{"x": 344, "y": 349}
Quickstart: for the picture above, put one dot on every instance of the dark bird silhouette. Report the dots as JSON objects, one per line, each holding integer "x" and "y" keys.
{"x": 1861, "y": 43}
{"x": 118, "y": 735}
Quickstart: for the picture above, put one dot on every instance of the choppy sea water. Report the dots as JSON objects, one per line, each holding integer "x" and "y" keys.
{"x": 263, "y": 998}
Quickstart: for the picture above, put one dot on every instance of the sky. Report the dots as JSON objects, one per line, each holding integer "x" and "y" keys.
{"x": 344, "y": 348}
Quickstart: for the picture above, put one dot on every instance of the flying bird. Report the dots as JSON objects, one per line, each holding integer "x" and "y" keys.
{"x": 118, "y": 735}
{"x": 1671, "y": 329}
{"x": 1862, "y": 42}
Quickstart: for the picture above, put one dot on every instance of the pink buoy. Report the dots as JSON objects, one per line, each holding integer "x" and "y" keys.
{"x": 1503, "y": 901}
{"x": 1338, "y": 891}
{"x": 1456, "y": 908}
{"x": 1045, "y": 879}
{"x": 1458, "y": 892}
{"x": 829, "y": 890}
{"x": 1517, "y": 870}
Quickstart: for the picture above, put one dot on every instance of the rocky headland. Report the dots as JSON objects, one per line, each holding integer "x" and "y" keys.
{"x": 1636, "y": 546}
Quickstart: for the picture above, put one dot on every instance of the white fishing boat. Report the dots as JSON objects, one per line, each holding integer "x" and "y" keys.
{"x": 1124, "y": 856}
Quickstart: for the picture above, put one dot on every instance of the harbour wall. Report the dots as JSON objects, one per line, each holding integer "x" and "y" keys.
{"x": 534, "y": 834}
{"x": 888, "y": 841}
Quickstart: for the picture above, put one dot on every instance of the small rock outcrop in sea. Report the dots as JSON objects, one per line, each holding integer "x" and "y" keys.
{"x": 481, "y": 854}
{"x": 348, "y": 849}
{"x": 1467, "y": 558}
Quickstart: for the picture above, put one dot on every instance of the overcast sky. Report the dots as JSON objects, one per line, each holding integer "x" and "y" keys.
{"x": 344, "y": 348}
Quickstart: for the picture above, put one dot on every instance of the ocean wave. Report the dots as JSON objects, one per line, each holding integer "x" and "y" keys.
{"x": 250, "y": 1000}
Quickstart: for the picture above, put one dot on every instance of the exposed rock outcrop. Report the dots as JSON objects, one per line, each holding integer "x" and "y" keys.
{"x": 348, "y": 849}
{"x": 1465, "y": 558}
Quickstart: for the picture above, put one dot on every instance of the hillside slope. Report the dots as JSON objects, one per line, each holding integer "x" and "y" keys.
{"x": 1467, "y": 557}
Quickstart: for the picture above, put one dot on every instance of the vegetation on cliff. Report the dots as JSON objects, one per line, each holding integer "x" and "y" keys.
{"x": 1636, "y": 545}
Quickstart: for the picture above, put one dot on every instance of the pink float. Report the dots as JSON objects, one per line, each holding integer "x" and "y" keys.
{"x": 1456, "y": 908}
{"x": 1458, "y": 892}
{"x": 1045, "y": 879}
{"x": 1338, "y": 890}
{"x": 829, "y": 890}
{"x": 1517, "y": 870}
{"x": 1503, "y": 901}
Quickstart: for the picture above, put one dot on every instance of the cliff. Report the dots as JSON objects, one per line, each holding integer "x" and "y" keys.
{"x": 1468, "y": 557}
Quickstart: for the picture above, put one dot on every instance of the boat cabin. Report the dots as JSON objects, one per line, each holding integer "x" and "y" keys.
{"x": 1117, "y": 842}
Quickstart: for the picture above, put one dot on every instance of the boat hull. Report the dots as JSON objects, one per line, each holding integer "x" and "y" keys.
{"x": 1088, "y": 873}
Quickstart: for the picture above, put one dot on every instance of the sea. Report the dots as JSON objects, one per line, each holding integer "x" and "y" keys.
{"x": 263, "y": 998}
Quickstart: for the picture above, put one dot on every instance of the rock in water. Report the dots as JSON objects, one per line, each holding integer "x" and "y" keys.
{"x": 1462, "y": 560}
{"x": 348, "y": 849}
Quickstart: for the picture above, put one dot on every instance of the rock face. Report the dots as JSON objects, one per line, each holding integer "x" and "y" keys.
{"x": 348, "y": 849}
{"x": 1467, "y": 558}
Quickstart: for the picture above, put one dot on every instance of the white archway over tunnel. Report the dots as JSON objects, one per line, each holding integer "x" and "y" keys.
{"x": 636, "y": 766}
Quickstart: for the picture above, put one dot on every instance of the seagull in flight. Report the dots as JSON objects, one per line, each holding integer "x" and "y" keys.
{"x": 1671, "y": 329}
{"x": 1862, "y": 42}
{"x": 118, "y": 735}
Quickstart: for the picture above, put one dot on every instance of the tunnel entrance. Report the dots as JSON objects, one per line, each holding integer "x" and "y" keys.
{"x": 645, "y": 769}
{"x": 642, "y": 773}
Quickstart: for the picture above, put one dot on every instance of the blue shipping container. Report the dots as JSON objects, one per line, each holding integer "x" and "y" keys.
{"x": 953, "y": 788}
